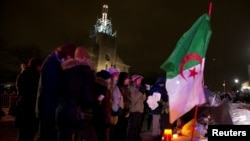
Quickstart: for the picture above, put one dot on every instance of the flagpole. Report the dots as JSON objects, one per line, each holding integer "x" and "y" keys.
{"x": 210, "y": 8}
{"x": 195, "y": 114}
{"x": 195, "y": 117}
{"x": 196, "y": 106}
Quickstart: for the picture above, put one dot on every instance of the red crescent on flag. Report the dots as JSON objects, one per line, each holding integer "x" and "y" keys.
{"x": 188, "y": 57}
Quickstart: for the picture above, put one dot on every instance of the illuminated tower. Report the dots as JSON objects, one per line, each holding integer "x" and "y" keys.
{"x": 104, "y": 43}
{"x": 104, "y": 25}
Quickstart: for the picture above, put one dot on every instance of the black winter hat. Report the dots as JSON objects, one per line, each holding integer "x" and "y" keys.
{"x": 104, "y": 74}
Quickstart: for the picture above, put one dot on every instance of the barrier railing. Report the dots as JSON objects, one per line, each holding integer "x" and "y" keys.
{"x": 6, "y": 100}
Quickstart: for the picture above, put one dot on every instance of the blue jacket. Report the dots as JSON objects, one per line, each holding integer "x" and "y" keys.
{"x": 49, "y": 88}
{"x": 162, "y": 91}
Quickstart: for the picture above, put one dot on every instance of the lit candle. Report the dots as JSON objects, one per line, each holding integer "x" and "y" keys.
{"x": 175, "y": 136}
{"x": 167, "y": 134}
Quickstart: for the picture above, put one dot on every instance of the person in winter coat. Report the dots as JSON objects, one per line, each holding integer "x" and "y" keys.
{"x": 102, "y": 108}
{"x": 158, "y": 87}
{"x": 115, "y": 75}
{"x": 113, "y": 118}
{"x": 137, "y": 97}
{"x": 121, "y": 105}
{"x": 48, "y": 90}
{"x": 27, "y": 83}
{"x": 77, "y": 95}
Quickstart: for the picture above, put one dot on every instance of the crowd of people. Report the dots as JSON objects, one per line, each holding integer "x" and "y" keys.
{"x": 63, "y": 98}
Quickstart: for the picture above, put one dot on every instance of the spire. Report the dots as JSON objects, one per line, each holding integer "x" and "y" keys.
{"x": 104, "y": 14}
{"x": 103, "y": 24}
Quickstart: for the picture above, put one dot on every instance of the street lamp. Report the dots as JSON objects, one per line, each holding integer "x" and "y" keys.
{"x": 236, "y": 81}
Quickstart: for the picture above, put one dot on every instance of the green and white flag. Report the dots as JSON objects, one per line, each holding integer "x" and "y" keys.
{"x": 184, "y": 69}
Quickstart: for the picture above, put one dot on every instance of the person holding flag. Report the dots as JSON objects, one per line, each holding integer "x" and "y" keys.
{"x": 184, "y": 69}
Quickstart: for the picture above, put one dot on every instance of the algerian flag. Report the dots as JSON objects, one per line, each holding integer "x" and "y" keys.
{"x": 184, "y": 69}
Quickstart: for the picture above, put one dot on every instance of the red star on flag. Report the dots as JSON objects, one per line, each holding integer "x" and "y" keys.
{"x": 192, "y": 73}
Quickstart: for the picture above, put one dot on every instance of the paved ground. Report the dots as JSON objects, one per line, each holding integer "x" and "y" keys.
{"x": 9, "y": 133}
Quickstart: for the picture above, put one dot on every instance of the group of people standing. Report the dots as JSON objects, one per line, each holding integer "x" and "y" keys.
{"x": 65, "y": 99}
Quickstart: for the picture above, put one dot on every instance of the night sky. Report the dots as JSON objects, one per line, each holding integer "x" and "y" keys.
{"x": 147, "y": 31}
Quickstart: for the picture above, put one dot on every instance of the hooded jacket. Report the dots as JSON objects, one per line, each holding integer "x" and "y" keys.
{"x": 77, "y": 91}
{"x": 162, "y": 91}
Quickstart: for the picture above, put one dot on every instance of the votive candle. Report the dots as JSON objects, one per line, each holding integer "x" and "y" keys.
{"x": 167, "y": 134}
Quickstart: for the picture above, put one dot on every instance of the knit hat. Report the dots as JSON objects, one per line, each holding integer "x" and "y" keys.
{"x": 81, "y": 53}
{"x": 66, "y": 49}
{"x": 113, "y": 70}
{"x": 161, "y": 80}
{"x": 136, "y": 76}
{"x": 103, "y": 74}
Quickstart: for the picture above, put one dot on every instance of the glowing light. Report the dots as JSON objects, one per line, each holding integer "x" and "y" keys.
{"x": 167, "y": 134}
{"x": 175, "y": 136}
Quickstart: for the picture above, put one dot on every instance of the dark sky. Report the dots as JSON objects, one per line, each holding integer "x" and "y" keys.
{"x": 147, "y": 30}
